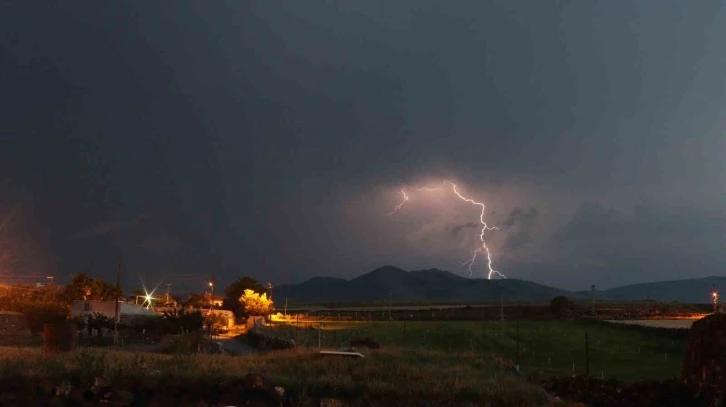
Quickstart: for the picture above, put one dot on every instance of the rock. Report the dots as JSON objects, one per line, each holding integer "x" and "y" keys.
{"x": 705, "y": 362}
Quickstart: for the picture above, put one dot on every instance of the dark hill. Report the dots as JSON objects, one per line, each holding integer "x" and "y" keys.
{"x": 418, "y": 285}
{"x": 440, "y": 285}
{"x": 694, "y": 290}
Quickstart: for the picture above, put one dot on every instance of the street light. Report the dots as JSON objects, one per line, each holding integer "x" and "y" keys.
{"x": 148, "y": 298}
{"x": 714, "y": 295}
{"x": 211, "y": 296}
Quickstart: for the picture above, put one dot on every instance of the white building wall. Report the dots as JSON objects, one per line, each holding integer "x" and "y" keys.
{"x": 81, "y": 308}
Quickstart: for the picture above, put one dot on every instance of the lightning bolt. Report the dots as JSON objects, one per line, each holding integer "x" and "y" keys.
{"x": 399, "y": 206}
{"x": 484, "y": 248}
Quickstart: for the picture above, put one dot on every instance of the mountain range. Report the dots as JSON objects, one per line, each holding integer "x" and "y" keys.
{"x": 393, "y": 283}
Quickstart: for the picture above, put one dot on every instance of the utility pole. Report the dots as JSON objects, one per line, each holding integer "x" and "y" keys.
{"x": 118, "y": 314}
{"x": 593, "y": 299}
{"x": 168, "y": 285}
{"x": 390, "y": 303}
{"x": 286, "y": 307}
{"x": 269, "y": 286}
{"x": 211, "y": 306}
{"x": 501, "y": 307}
{"x": 211, "y": 294}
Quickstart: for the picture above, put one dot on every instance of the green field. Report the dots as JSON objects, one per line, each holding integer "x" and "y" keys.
{"x": 551, "y": 347}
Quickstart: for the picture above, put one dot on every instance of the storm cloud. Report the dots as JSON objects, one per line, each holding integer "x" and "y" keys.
{"x": 272, "y": 138}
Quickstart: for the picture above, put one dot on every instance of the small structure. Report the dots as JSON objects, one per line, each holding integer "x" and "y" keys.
{"x": 127, "y": 312}
{"x": 341, "y": 353}
{"x": 217, "y": 300}
{"x": 255, "y": 321}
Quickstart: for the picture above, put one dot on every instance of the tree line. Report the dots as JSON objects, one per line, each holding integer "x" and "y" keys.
{"x": 52, "y": 303}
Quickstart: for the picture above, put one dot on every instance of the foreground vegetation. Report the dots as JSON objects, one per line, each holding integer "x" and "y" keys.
{"x": 386, "y": 377}
{"x": 549, "y": 347}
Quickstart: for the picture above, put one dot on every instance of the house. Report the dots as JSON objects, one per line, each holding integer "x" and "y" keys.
{"x": 228, "y": 316}
{"x": 127, "y": 312}
{"x": 218, "y": 300}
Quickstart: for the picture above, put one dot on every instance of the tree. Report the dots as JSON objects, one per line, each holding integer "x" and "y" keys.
{"x": 256, "y": 304}
{"x": 197, "y": 300}
{"x": 235, "y": 291}
{"x": 560, "y": 305}
{"x": 237, "y": 288}
{"x": 85, "y": 287}
{"x": 40, "y": 305}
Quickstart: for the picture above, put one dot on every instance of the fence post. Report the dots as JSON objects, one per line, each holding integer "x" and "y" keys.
{"x": 587, "y": 356}
{"x": 404, "y": 333}
{"x": 517, "y": 355}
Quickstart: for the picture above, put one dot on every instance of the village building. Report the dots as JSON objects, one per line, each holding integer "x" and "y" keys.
{"x": 127, "y": 312}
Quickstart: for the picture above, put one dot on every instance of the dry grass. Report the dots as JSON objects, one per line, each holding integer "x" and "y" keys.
{"x": 384, "y": 377}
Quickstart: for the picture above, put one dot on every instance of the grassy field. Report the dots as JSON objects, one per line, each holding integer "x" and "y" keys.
{"x": 658, "y": 323}
{"x": 552, "y": 347}
{"x": 392, "y": 377}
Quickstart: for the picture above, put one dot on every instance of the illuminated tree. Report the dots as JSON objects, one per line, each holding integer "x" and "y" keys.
{"x": 238, "y": 287}
{"x": 235, "y": 290}
{"x": 256, "y": 304}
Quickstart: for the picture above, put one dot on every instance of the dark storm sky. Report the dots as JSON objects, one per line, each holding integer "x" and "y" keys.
{"x": 270, "y": 138}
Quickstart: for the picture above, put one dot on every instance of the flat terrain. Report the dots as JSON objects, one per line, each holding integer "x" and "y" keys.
{"x": 552, "y": 347}
{"x": 684, "y": 323}
{"x": 373, "y": 308}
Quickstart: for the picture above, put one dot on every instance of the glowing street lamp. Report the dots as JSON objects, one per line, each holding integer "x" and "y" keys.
{"x": 148, "y": 296}
{"x": 147, "y": 300}
{"x": 714, "y": 296}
